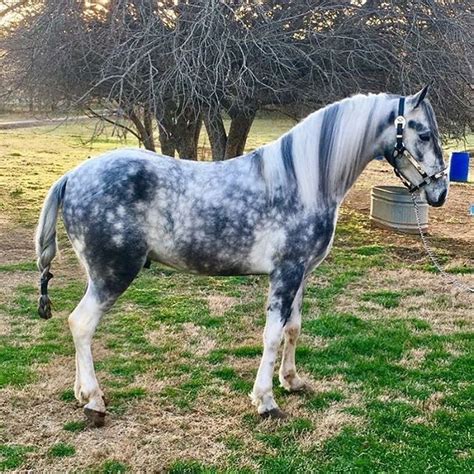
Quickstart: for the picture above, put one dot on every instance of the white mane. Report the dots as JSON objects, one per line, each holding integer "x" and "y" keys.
{"x": 329, "y": 148}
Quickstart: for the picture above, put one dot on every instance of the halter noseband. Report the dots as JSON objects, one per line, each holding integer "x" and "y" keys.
{"x": 400, "y": 152}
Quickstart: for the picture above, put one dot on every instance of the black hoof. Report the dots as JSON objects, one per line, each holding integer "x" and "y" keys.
{"x": 275, "y": 414}
{"x": 94, "y": 418}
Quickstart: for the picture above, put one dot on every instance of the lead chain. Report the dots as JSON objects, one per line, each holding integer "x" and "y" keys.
{"x": 452, "y": 280}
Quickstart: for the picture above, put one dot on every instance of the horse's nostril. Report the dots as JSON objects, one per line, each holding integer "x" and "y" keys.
{"x": 441, "y": 199}
{"x": 442, "y": 196}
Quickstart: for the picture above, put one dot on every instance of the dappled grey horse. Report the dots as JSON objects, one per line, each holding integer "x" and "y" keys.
{"x": 272, "y": 211}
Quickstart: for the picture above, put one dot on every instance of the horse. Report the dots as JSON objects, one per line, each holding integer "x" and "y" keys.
{"x": 272, "y": 211}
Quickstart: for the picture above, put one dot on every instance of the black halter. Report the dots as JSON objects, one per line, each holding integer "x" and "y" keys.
{"x": 400, "y": 152}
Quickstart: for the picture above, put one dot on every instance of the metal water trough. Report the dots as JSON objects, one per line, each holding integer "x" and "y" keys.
{"x": 391, "y": 207}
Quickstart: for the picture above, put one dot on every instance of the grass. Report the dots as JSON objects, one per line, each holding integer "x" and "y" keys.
{"x": 74, "y": 426}
{"x": 113, "y": 467}
{"x": 389, "y": 354}
{"x": 61, "y": 450}
{"x": 12, "y": 457}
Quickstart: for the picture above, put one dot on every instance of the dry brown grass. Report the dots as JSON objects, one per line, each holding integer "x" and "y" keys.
{"x": 413, "y": 358}
{"x": 219, "y": 304}
{"x": 443, "y": 307}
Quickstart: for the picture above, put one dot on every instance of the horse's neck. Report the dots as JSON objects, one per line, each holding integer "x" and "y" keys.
{"x": 331, "y": 150}
{"x": 321, "y": 158}
{"x": 345, "y": 176}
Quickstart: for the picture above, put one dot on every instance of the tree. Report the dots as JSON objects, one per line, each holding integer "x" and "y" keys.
{"x": 183, "y": 63}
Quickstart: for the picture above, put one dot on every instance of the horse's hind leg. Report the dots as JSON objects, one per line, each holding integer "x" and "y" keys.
{"x": 101, "y": 294}
{"x": 83, "y": 322}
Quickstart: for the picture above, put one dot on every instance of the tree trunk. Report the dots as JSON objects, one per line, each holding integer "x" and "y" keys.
{"x": 149, "y": 140}
{"x": 240, "y": 125}
{"x": 166, "y": 131}
{"x": 216, "y": 133}
{"x": 179, "y": 132}
{"x": 167, "y": 143}
{"x": 187, "y": 130}
{"x": 146, "y": 136}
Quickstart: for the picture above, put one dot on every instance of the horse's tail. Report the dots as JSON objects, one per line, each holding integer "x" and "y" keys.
{"x": 46, "y": 244}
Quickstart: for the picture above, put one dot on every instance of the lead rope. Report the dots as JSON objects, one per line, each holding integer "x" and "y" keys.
{"x": 452, "y": 280}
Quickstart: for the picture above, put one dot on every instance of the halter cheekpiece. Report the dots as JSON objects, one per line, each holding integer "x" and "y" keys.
{"x": 400, "y": 152}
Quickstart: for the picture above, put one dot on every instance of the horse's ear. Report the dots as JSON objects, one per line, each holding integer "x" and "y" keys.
{"x": 417, "y": 99}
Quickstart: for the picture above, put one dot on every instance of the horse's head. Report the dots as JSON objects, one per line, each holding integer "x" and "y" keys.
{"x": 413, "y": 148}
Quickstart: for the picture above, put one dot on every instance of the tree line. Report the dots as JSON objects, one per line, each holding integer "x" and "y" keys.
{"x": 175, "y": 66}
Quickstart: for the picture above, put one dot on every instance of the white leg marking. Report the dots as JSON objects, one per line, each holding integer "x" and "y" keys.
{"x": 262, "y": 395}
{"x": 83, "y": 322}
{"x": 288, "y": 376}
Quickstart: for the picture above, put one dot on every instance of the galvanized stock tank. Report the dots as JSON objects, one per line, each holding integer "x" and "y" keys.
{"x": 391, "y": 207}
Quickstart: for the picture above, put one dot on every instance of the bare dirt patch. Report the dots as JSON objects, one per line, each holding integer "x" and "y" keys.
{"x": 10, "y": 281}
{"x": 16, "y": 242}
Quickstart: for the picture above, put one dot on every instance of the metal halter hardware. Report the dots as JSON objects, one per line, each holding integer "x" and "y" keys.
{"x": 400, "y": 152}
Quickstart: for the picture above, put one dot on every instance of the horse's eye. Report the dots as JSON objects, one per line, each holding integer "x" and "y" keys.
{"x": 425, "y": 136}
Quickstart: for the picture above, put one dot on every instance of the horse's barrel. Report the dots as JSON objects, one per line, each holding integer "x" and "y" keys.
{"x": 391, "y": 207}
{"x": 459, "y": 166}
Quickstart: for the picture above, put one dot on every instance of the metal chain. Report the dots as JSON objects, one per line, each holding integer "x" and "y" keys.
{"x": 451, "y": 279}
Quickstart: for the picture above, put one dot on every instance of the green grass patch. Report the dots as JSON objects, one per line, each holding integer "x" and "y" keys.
{"x": 19, "y": 267}
{"x": 128, "y": 394}
{"x": 67, "y": 395}
{"x": 61, "y": 450}
{"x": 369, "y": 250}
{"x": 114, "y": 467}
{"x": 124, "y": 366}
{"x": 247, "y": 351}
{"x": 387, "y": 299}
{"x": 323, "y": 400}
{"x": 16, "y": 361}
{"x": 225, "y": 373}
{"x": 13, "y": 456}
{"x": 74, "y": 426}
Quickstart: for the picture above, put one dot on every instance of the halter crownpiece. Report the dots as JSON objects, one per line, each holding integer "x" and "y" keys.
{"x": 400, "y": 152}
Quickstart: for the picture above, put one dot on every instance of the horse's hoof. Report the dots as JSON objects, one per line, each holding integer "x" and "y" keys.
{"x": 274, "y": 414}
{"x": 94, "y": 417}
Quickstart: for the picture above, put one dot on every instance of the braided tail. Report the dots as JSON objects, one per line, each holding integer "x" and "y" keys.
{"x": 46, "y": 244}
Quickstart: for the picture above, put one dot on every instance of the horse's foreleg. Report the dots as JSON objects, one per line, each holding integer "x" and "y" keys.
{"x": 262, "y": 394}
{"x": 288, "y": 376}
{"x": 83, "y": 322}
{"x": 283, "y": 289}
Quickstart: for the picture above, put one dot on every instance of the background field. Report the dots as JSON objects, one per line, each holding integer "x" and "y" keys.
{"x": 386, "y": 344}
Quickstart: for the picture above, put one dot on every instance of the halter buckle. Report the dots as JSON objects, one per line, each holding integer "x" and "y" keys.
{"x": 400, "y": 120}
